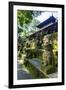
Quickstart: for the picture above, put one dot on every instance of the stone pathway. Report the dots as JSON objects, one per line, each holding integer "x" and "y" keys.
{"x": 23, "y": 73}
{"x": 53, "y": 75}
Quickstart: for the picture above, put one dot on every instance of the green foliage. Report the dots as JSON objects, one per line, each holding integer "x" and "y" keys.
{"x": 34, "y": 53}
{"x": 24, "y": 17}
{"x": 26, "y": 25}
{"x": 32, "y": 26}
{"x": 50, "y": 69}
{"x": 26, "y": 22}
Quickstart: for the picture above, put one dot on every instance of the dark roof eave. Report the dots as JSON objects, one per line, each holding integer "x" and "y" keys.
{"x": 46, "y": 22}
{"x": 32, "y": 35}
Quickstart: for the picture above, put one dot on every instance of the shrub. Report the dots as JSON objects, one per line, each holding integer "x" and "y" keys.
{"x": 50, "y": 69}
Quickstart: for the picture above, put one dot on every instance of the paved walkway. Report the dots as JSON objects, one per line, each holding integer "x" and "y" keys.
{"x": 53, "y": 75}
{"x": 23, "y": 73}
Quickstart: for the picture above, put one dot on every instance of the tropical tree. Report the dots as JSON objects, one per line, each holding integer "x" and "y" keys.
{"x": 26, "y": 24}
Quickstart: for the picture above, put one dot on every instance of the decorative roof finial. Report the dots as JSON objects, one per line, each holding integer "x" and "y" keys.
{"x": 52, "y": 14}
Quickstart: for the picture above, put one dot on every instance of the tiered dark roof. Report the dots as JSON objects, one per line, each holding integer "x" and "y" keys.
{"x": 47, "y": 27}
{"x": 51, "y": 19}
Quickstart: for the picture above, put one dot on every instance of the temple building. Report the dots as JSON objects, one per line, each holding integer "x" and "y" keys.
{"x": 43, "y": 45}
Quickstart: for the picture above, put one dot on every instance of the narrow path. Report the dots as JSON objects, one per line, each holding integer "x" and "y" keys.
{"x": 53, "y": 75}
{"x": 22, "y": 72}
